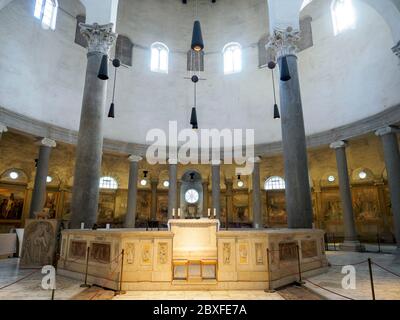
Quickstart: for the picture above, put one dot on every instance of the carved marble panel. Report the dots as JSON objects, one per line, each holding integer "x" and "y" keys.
{"x": 146, "y": 254}
{"x": 243, "y": 253}
{"x": 77, "y": 249}
{"x": 288, "y": 251}
{"x": 130, "y": 253}
{"x": 259, "y": 253}
{"x": 226, "y": 254}
{"x": 162, "y": 253}
{"x": 100, "y": 252}
{"x": 309, "y": 248}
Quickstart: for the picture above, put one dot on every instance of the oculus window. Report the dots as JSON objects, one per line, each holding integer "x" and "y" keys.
{"x": 192, "y": 196}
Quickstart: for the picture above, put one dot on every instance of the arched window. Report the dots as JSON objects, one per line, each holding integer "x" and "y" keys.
{"x": 159, "y": 57}
{"x": 343, "y": 16}
{"x": 46, "y": 11}
{"x": 305, "y": 4}
{"x": 108, "y": 183}
{"x": 274, "y": 183}
{"x": 232, "y": 58}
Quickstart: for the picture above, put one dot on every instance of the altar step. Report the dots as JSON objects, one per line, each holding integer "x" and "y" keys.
{"x": 194, "y": 282}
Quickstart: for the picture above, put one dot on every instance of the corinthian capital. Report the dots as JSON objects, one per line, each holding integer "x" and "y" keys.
{"x": 100, "y": 38}
{"x": 283, "y": 42}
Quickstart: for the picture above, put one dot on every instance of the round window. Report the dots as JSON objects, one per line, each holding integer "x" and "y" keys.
{"x": 192, "y": 196}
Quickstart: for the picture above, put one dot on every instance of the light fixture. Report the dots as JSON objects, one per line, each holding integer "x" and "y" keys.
{"x": 103, "y": 72}
{"x": 166, "y": 184}
{"x": 240, "y": 182}
{"x": 331, "y": 178}
{"x": 193, "y": 116}
{"x": 14, "y": 175}
{"x": 362, "y": 175}
{"x": 49, "y": 179}
{"x": 284, "y": 67}
{"x": 197, "y": 37}
{"x": 143, "y": 182}
{"x": 116, "y": 63}
{"x": 271, "y": 66}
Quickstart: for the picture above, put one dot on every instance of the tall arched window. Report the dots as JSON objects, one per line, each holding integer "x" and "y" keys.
{"x": 343, "y": 16}
{"x": 274, "y": 183}
{"x": 159, "y": 57}
{"x": 232, "y": 58}
{"x": 108, "y": 183}
{"x": 46, "y": 11}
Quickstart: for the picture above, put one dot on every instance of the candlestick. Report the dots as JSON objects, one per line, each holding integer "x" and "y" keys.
{"x": 82, "y": 225}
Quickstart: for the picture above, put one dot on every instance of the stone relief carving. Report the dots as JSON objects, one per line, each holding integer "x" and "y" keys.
{"x": 288, "y": 251}
{"x": 146, "y": 253}
{"x": 130, "y": 253}
{"x": 309, "y": 248}
{"x": 77, "y": 249}
{"x": 100, "y": 252}
{"x": 162, "y": 253}
{"x": 39, "y": 243}
{"x": 259, "y": 254}
{"x": 226, "y": 253}
{"x": 243, "y": 253}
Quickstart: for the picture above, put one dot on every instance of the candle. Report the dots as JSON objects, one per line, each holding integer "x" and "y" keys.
{"x": 209, "y": 212}
{"x": 82, "y": 225}
{"x": 173, "y": 213}
{"x": 108, "y": 226}
{"x": 215, "y": 212}
{"x": 179, "y": 212}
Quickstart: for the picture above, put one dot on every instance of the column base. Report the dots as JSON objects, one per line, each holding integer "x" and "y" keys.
{"x": 352, "y": 246}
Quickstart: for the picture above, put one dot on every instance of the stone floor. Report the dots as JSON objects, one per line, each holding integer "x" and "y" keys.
{"x": 387, "y": 285}
{"x": 21, "y": 284}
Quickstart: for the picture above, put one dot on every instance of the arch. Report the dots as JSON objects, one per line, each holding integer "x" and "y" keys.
{"x": 14, "y": 175}
{"x": 232, "y": 53}
{"x": 159, "y": 57}
{"x": 362, "y": 175}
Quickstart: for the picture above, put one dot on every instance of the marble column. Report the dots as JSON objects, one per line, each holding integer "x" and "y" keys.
{"x": 298, "y": 192}
{"x": 85, "y": 193}
{"x": 42, "y": 170}
{"x": 392, "y": 160}
{"x": 256, "y": 194}
{"x": 351, "y": 242}
{"x": 178, "y": 198}
{"x": 205, "y": 198}
{"x": 3, "y": 129}
{"x": 130, "y": 218}
{"x": 229, "y": 200}
{"x": 153, "y": 212}
{"x": 173, "y": 188}
{"x": 216, "y": 188}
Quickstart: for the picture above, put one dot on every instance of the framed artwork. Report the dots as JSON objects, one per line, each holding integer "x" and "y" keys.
{"x": 11, "y": 203}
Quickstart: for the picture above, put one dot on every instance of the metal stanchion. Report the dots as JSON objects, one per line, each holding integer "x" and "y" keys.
{"x": 269, "y": 290}
{"x": 300, "y": 282}
{"x": 85, "y": 285}
{"x": 371, "y": 278}
{"x": 119, "y": 292}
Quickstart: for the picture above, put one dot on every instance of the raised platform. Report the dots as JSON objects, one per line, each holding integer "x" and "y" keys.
{"x": 244, "y": 259}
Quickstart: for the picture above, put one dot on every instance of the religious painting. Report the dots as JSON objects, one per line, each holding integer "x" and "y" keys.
{"x": 106, "y": 207}
{"x": 121, "y": 200}
{"x": 365, "y": 203}
{"x": 66, "y": 210}
{"x": 243, "y": 253}
{"x": 331, "y": 206}
{"x": 100, "y": 252}
{"x": 288, "y": 251}
{"x": 276, "y": 209}
{"x": 162, "y": 208}
{"x": 143, "y": 206}
{"x": 241, "y": 207}
{"x": 77, "y": 249}
{"x": 39, "y": 244}
{"x": 309, "y": 248}
{"x": 50, "y": 205}
{"x": 11, "y": 204}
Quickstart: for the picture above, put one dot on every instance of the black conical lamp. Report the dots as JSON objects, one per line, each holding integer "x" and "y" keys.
{"x": 103, "y": 72}
{"x": 277, "y": 115}
{"x": 197, "y": 37}
{"x": 193, "y": 119}
{"x": 111, "y": 111}
{"x": 284, "y": 66}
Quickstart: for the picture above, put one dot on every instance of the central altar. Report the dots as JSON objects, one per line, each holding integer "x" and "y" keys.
{"x": 194, "y": 238}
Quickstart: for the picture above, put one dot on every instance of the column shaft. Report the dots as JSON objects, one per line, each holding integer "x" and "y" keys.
{"x": 229, "y": 201}
{"x": 392, "y": 161}
{"x": 154, "y": 184}
{"x": 205, "y": 199}
{"x": 298, "y": 193}
{"x": 216, "y": 190}
{"x": 256, "y": 196}
{"x": 130, "y": 218}
{"x": 39, "y": 189}
{"x": 172, "y": 191}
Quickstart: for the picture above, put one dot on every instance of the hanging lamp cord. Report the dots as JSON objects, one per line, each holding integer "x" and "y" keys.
{"x": 273, "y": 85}
{"x": 115, "y": 81}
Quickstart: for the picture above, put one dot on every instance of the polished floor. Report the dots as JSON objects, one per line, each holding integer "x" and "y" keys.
{"x": 25, "y": 284}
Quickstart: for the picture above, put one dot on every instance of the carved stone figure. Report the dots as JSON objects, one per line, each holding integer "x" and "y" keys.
{"x": 162, "y": 253}
{"x": 227, "y": 253}
{"x": 130, "y": 253}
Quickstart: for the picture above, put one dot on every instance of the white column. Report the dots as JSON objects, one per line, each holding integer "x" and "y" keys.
{"x": 130, "y": 218}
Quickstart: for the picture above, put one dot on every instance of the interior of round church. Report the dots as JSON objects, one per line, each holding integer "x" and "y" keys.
{"x": 200, "y": 149}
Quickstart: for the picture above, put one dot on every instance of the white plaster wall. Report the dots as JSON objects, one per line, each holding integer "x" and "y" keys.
{"x": 343, "y": 79}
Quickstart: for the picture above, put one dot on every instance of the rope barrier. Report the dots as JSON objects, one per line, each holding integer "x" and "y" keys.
{"x": 387, "y": 270}
{"x": 338, "y": 294}
{"x": 24, "y": 277}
